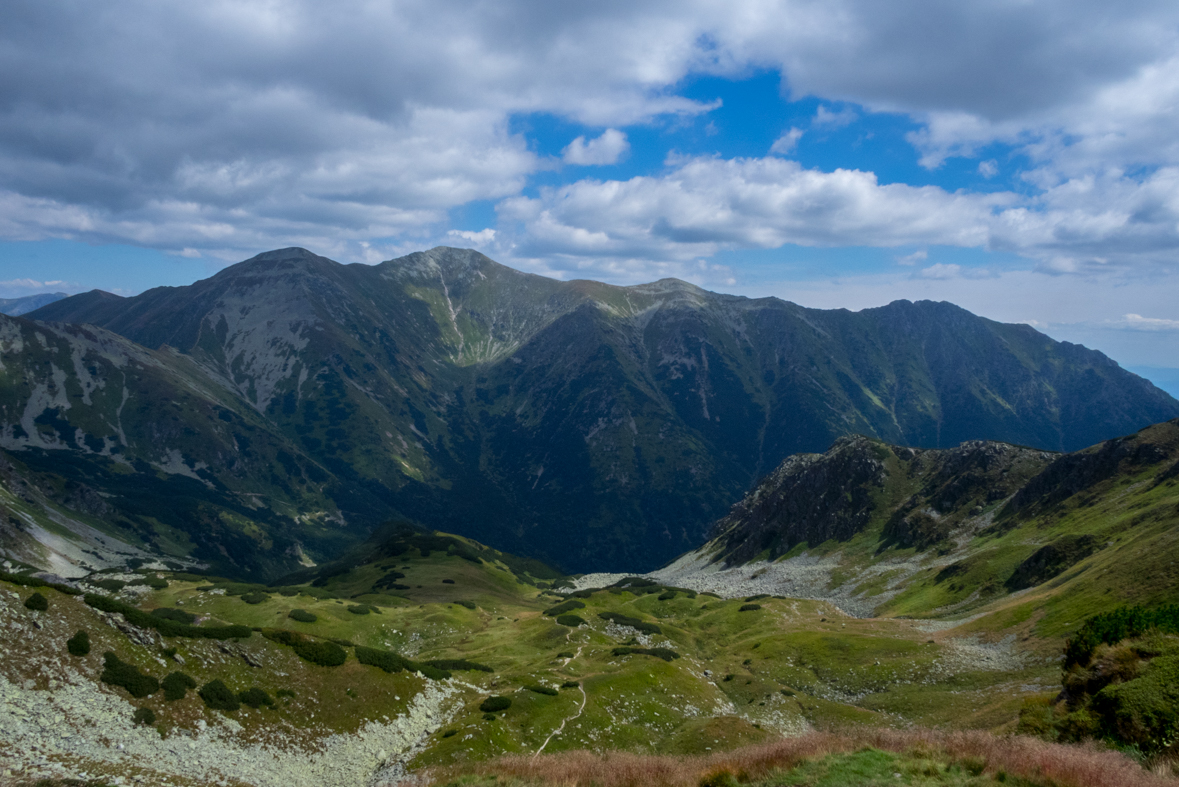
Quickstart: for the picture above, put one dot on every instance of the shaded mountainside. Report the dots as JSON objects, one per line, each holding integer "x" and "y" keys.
{"x": 584, "y": 424}
{"x": 14, "y": 307}
{"x": 990, "y": 529}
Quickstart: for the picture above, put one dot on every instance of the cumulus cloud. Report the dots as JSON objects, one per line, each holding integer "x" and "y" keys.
{"x": 785, "y": 144}
{"x": 1136, "y": 322}
{"x": 606, "y": 149}
{"x": 914, "y": 258}
{"x": 837, "y": 119}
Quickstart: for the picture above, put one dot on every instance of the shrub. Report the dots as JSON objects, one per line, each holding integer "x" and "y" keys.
{"x": 563, "y": 607}
{"x": 572, "y": 621}
{"x": 37, "y": 602}
{"x": 758, "y": 597}
{"x": 288, "y": 592}
{"x": 176, "y": 686}
{"x": 217, "y": 696}
{"x": 634, "y": 623}
{"x": 393, "y": 662}
{"x": 570, "y": 684}
{"x": 285, "y": 693}
{"x": 749, "y": 607}
{"x": 155, "y": 583}
{"x": 449, "y": 733}
{"x": 255, "y": 597}
{"x": 448, "y": 582}
{"x": 667, "y": 654}
{"x": 566, "y": 654}
{"x": 302, "y": 615}
{"x": 35, "y": 582}
{"x": 361, "y": 609}
{"x": 119, "y": 673}
{"x": 667, "y": 595}
{"x": 113, "y": 585}
{"x": 488, "y": 717}
{"x": 79, "y": 644}
{"x": 550, "y": 692}
{"x": 255, "y": 698}
{"x": 495, "y": 704}
{"x": 178, "y": 615}
{"x": 325, "y": 654}
{"x": 720, "y": 777}
{"x": 458, "y": 664}
{"x": 1116, "y": 625}
{"x": 168, "y": 628}
{"x": 467, "y": 604}
{"x": 144, "y": 716}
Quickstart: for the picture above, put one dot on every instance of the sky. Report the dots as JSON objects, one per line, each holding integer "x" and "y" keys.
{"x": 1017, "y": 157}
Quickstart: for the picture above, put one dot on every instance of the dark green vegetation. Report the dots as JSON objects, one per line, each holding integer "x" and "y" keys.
{"x": 302, "y": 616}
{"x": 667, "y": 654}
{"x": 1109, "y": 628}
{"x": 79, "y": 644}
{"x": 572, "y": 621}
{"x": 392, "y": 662}
{"x": 144, "y": 716}
{"x": 176, "y": 685}
{"x": 166, "y": 626}
{"x": 255, "y": 697}
{"x": 119, "y": 673}
{"x": 289, "y": 404}
{"x": 325, "y": 653}
{"x": 218, "y": 696}
{"x": 495, "y": 704}
{"x": 37, "y": 603}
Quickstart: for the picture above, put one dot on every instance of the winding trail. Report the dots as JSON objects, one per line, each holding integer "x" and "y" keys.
{"x": 567, "y": 719}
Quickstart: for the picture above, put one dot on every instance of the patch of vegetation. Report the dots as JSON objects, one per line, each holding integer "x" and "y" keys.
{"x": 255, "y": 698}
{"x": 113, "y": 585}
{"x": 749, "y": 607}
{"x": 667, "y": 654}
{"x": 119, "y": 673}
{"x": 1051, "y": 560}
{"x": 634, "y": 623}
{"x": 467, "y": 604}
{"x": 302, "y": 615}
{"x": 393, "y": 662}
{"x": 321, "y": 652}
{"x": 566, "y": 654}
{"x": 176, "y": 685}
{"x": 360, "y": 609}
{"x": 562, "y": 608}
{"x": 36, "y": 582}
{"x": 79, "y": 644}
{"x": 758, "y": 597}
{"x": 570, "y": 684}
{"x": 572, "y": 621}
{"x": 178, "y": 615}
{"x": 37, "y": 602}
{"x": 495, "y": 704}
{"x": 1114, "y": 626}
{"x": 539, "y": 689}
{"x": 217, "y": 696}
{"x": 667, "y": 595}
{"x": 255, "y": 597}
{"x": 168, "y": 628}
{"x": 155, "y": 583}
{"x": 458, "y": 665}
{"x": 144, "y": 716}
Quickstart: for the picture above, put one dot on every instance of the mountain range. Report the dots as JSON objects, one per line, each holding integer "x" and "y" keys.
{"x": 274, "y": 414}
{"x": 14, "y": 307}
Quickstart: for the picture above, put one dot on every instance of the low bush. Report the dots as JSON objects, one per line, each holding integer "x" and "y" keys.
{"x": 667, "y": 654}
{"x": 758, "y": 597}
{"x": 168, "y": 628}
{"x": 459, "y": 665}
{"x": 1114, "y": 626}
{"x": 359, "y": 609}
{"x": 488, "y": 717}
{"x": 113, "y": 585}
{"x": 394, "y": 662}
{"x": 570, "y": 684}
{"x": 285, "y": 693}
{"x": 302, "y": 615}
{"x": 572, "y": 621}
{"x": 749, "y": 607}
{"x": 255, "y": 597}
{"x": 467, "y": 604}
{"x": 37, "y": 602}
{"x": 178, "y": 615}
{"x": 36, "y": 582}
{"x": 542, "y": 690}
{"x": 155, "y": 583}
{"x": 288, "y": 592}
{"x": 325, "y": 654}
{"x": 144, "y": 716}
{"x": 79, "y": 644}
{"x": 343, "y": 643}
{"x": 495, "y": 704}
{"x": 667, "y": 595}
{"x": 119, "y": 673}
{"x": 566, "y": 654}
{"x": 562, "y": 608}
{"x": 448, "y": 582}
{"x": 255, "y": 698}
{"x": 585, "y": 593}
{"x": 217, "y": 696}
{"x": 449, "y": 733}
{"x": 176, "y": 686}
{"x": 627, "y": 620}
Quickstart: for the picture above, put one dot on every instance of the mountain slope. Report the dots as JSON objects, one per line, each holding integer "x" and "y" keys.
{"x": 589, "y": 425}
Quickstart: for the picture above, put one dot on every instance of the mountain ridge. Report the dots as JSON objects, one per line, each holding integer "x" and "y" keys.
{"x": 581, "y": 423}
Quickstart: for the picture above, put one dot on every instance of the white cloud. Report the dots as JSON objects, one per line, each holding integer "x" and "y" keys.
{"x": 1136, "y": 322}
{"x": 988, "y": 169}
{"x": 914, "y": 258}
{"x": 606, "y": 149}
{"x": 484, "y": 237}
{"x": 785, "y": 144}
{"x": 844, "y": 117}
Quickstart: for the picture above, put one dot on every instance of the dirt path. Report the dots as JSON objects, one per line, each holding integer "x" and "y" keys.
{"x": 567, "y": 719}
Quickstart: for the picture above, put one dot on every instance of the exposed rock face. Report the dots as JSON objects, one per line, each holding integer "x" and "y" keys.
{"x": 289, "y": 404}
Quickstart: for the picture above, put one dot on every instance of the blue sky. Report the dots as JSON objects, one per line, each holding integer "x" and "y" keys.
{"x": 1020, "y": 160}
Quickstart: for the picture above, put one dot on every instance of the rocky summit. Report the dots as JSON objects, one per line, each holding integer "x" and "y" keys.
{"x": 273, "y": 415}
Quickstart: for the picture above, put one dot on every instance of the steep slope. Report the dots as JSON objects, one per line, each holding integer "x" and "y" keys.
{"x": 1010, "y": 535}
{"x": 14, "y": 307}
{"x": 589, "y": 425}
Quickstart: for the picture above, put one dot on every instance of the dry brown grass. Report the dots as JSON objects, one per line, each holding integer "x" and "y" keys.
{"x": 1050, "y": 763}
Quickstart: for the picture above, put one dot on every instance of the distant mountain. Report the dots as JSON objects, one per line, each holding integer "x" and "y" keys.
{"x": 591, "y": 426}
{"x": 14, "y": 307}
{"x": 887, "y": 530}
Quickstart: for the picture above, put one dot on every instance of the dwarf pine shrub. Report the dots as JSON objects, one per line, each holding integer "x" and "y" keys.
{"x": 551, "y": 692}
{"x": 255, "y": 597}
{"x": 467, "y": 604}
{"x": 37, "y": 602}
{"x": 562, "y": 608}
{"x": 302, "y": 615}
{"x": 119, "y": 673}
{"x": 255, "y": 698}
{"x": 627, "y": 620}
{"x": 495, "y": 704}
{"x": 749, "y": 607}
{"x": 217, "y": 696}
{"x": 359, "y": 609}
{"x": 168, "y": 628}
{"x": 79, "y": 644}
{"x": 178, "y": 615}
{"x": 570, "y": 684}
{"x": 572, "y": 621}
{"x": 176, "y": 685}
{"x": 459, "y": 665}
{"x": 667, "y": 654}
{"x": 144, "y": 716}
